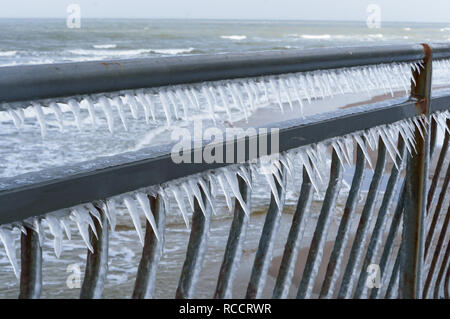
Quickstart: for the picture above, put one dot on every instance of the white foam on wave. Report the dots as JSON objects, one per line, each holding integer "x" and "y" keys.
{"x": 105, "y": 46}
{"x": 129, "y": 52}
{"x": 8, "y": 53}
{"x": 376, "y": 36}
{"x": 234, "y": 37}
{"x": 316, "y": 36}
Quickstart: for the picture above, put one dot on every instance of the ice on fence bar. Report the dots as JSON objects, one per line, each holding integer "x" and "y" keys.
{"x": 232, "y": 98}
{"x": 218, "y": 181}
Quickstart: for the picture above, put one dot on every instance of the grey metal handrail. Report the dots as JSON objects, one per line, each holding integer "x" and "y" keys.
{"x": 31, "y": 82}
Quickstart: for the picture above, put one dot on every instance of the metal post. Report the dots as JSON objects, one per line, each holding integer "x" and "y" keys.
{"x": 97, "y": 262}
{"x": 411, "y": 255}
{"x": 233, "y": 251}
{"x": 196, "y": 250}
{"x": 144, "y": 286}
{"x": 31, "y": 263}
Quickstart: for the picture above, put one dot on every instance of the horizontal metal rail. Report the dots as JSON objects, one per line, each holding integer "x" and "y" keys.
{"x": 32, "y": 82}
{"x": 40, "y": 197}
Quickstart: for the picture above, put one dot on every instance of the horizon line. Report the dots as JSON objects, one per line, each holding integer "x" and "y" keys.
{"x": 226, "y": 19}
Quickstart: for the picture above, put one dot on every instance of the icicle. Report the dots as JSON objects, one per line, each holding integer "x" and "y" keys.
{"x": 182, "y": 98}
{"x": 57, "y": 232}
{"x": 174, "y": 103}
{"x": 225, "y": 103}
{"x": 132, "y": 104}
{"x": 198, "y": 195}
{"x": 165, "y": 106}
{"x": 132, "y": 210}
{"x": 119, "y": 105}
{"x": 212, "y": 185}
{"x": 144, "y": 201}
{"x": 241, "y": 102}
{"x": 297, "y": 94}
{"x": 285, "y": 87}
{"x": 277, "y": 94}
{"x": 189, "y": 194}
{"x": 94, "y": 212}
{"x": 205, "y": 188}
{"x": 234, "y": 185}
{"x": 194, "y": 94}
{"x": 58, "y": 115}
{"x": 270, "y": 180}
{"x": 75, "y": 109}
{"x": 15, "y": 118}
{"x": 81, "y": 218}
{"x": 209, "y": 103}
{"x": 10, "y": 247}
{"x": 65, "y": 223}
{"x": 149, "y": 106}
{"x": 91, "y": 110}
{"x": 339, "y": 152}
{"x": 304, "y": 85}
{"x": 110, "y": 210}
{"x": 191, "y": 98}
{"x": 364, "y": 149}
{"x": 40, "y": 117}
{"x": 181, "y": 205}
{"x": 244, "y": 174}
{"x": 225, "y": 192}
{"x": 107, "y": 109}
{"x": 250, "y": 96}
{"x": 314, "y": 160}
{"x": 304, "y": 158}
{"x": 345, "y": 152}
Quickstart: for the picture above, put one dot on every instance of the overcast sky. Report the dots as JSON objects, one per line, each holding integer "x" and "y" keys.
{"x": 391, "y": 10}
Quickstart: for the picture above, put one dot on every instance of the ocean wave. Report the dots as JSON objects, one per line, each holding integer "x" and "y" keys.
{"x": 173, "y": 51}
{"x": 8, "y": 53}
{"x": 129, "y": 52}
{"x": 105, "y": 46}
{"x": 316, "y": 36}
{"x": 234, "y": 37}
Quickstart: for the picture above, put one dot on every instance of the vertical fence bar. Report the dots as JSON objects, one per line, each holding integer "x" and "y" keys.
{"x": 320, "y": 234}
{"x": 390, "y": 240}
{"x": 437, "y": 212}
{"x": 263, "y": 255}
{"x": 292, "y": 247}
{"x": 447, "y": 284}
{"x": 31, "y": 265}
{"x": 334, "y": 265}
{"x": 376, "y": 237}
{"x": 414, "y": 217}
{"x": 358, "y": 245}
{"x": 233, "y": 250}
{"x": 144, "y": 285}
{"x": 444, "y": 265}
{"x": 437, "y": 252}
{"x": 438, "y": 169}
{"x": 97, "y": 262}
{"x": 196, "y": 249}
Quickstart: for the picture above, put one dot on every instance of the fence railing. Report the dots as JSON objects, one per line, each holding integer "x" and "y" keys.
{"x": 419, "y": 268}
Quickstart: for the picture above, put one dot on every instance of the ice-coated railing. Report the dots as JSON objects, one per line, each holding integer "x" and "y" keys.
{"x": 410, "y": 244}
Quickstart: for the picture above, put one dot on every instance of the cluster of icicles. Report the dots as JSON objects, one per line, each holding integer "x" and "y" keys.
{"x": 441, "y": 72}
{"x": 223, "y": 180}
{"x": 239, "y": 96}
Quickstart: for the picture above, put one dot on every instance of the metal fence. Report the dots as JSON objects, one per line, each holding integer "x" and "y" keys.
{"x": 420, "y": 268}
